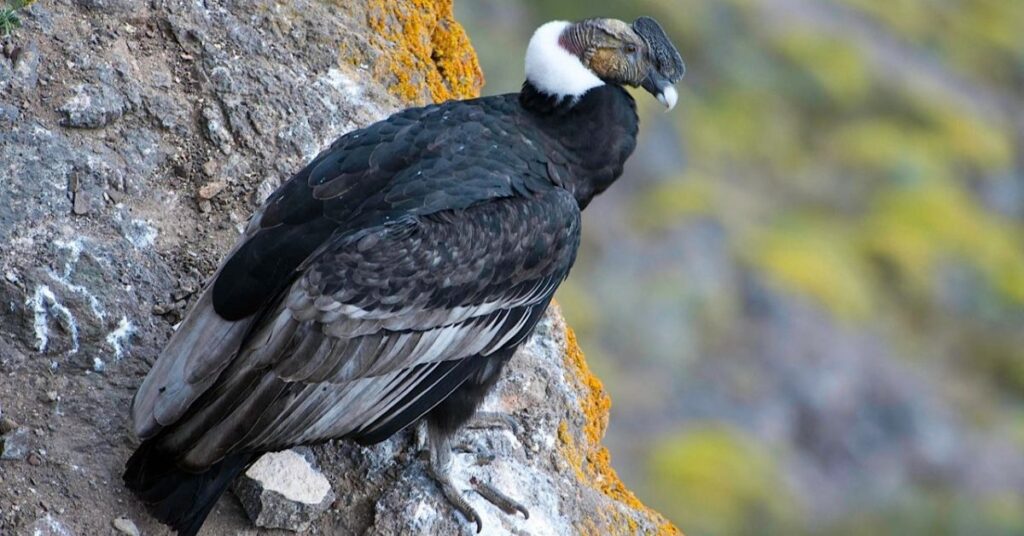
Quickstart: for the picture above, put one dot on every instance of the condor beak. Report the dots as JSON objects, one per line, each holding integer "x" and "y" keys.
{"x": 668, "y": 97}
{"x": 666, "y": 65}
{"x": 658, "y": 85}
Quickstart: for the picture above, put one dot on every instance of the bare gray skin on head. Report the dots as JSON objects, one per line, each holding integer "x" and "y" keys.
{"x": 638, "y": 54}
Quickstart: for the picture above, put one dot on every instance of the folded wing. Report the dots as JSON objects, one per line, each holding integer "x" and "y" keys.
{"x": 381, "y": 325}
{"x": 417, "y": 163}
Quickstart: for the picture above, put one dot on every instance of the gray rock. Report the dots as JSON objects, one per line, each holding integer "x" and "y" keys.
{"x": 26, "y": 60}
{"x": 92, "y": 106}
{"x": 283, "y": 490}
{"x": 14, "y": 445}
{"x": 81, "y": 204}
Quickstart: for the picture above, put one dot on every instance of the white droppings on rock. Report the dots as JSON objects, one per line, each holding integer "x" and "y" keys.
{"x": 95, "y": 305}
{"x": 119, "y": 337}
{"x": 352, "y": 92}
{"x": 140, "y": 233}
{"x": 14, "y": 445}
{"x": 92, "y": 106}
{"x": 98, "y": 365}
{"x": 337, "y": 79}
{"x": 44, "y": 304}
{"x": 49, "y": 526}
{"x": 75, "y": 248}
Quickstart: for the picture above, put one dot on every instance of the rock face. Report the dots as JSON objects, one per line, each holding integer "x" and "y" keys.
{"x": 135, "y": 140}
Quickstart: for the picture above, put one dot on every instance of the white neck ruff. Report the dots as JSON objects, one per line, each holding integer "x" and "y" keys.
{"x": 553, "y": 69}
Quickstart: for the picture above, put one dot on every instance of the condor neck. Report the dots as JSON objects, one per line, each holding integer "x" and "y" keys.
{"x": 594, "y": 134}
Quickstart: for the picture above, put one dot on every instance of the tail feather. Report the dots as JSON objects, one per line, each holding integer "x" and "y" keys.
{"x": 177, "y": 497}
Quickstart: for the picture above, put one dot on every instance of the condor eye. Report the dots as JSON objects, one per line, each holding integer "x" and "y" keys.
{"x": 630, "y": 48}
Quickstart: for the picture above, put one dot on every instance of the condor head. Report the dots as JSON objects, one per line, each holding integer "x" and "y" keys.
{"x": 569, "y": 58}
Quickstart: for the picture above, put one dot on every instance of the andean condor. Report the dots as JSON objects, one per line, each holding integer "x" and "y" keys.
{"x": 392, "y": 278}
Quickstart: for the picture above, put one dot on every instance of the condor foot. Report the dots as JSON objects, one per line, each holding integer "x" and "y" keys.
{"x": 439, "y": 467}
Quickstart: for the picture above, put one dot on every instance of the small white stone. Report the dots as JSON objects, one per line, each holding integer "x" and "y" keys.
{"x": 291, "y": 475}
{"x": 126, "y": 526}
{"x": 283, "y": 490}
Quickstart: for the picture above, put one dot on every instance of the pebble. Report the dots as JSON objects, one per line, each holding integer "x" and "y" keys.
{"x": 81, "y": 204}
{"x": 162, "y": 309}
{"x": 211, "y": 189}
{"x": 115, "y": 195}
{"x": 7, "y": 424}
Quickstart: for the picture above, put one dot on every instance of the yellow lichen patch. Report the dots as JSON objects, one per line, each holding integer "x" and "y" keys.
{"x": 427, "y": 55}
{"x": 804, "y": 255}
{"x": 571, "y": 451}
{"x": 721, "y": 480}
{"x": 918, "y": 228}
{"x": 590, "y": 460}
{"x": 596, "y": 402}
{"x": 833, "y": 64}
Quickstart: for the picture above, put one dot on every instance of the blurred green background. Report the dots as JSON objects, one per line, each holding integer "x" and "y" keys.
{"x": 806, "y": 294}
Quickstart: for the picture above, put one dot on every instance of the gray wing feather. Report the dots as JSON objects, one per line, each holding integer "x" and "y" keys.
{"x": 197, "y": 352}
{"x": 186, "y": 368}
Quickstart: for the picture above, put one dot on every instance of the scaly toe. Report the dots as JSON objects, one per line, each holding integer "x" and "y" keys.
{"x": 455, "y": 498}
{"x": 494, "y": 496}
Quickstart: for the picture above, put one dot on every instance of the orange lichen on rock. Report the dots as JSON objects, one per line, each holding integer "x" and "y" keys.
{"x": 427, "y": 53}
{"x": 591, "y": 460}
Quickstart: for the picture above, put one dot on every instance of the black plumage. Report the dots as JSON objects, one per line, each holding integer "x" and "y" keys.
{"x": 389, "y": 280}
